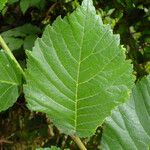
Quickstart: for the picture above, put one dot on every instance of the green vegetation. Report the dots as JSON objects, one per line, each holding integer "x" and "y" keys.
{"x": 71, "y": 87}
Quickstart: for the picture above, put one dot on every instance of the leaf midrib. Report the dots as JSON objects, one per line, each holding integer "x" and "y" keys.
{"x": 78, "y": 73}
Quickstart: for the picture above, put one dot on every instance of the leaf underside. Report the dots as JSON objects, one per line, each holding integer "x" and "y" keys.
{"x": 129, "y": 126}
{"x": 77, "y": 72}
{"x": 10, "y": 79}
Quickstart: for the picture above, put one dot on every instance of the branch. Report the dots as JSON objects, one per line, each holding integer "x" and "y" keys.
{"x": 78, "y": 142}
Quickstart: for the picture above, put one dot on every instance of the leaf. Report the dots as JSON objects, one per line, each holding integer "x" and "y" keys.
{"x": 10, "y": 79}
{"x": 77, "y": 72}
{"x": 25, "y": 4}
{"x": 14, "y": 43}
{"x": 12, "y": 1}
{"x": 128, "y": 127}
{"x": 21, "y": 36}
{"x": 52, "y": 148}
{"x": 2, "y": 4}
{"x": 22, "y": 31}
{"x": 29, "y": 42}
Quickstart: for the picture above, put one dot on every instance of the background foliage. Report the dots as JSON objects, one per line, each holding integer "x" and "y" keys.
{"x": 21, "y": 21}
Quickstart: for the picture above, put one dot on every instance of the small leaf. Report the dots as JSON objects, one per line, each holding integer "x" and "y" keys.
{"x": 21, "y": 36}
{"x": 77, "y": 72}
{"x": 12, "y": 1}
{"x": 14, "y": 43}
{"x": 129, "y": 126}
{"x": 43, "y": 148}
{"x": 22, "y": 31}
{"x": 25, "y": 4}
{"x": 10, "y": 79}
{"x": 2, "y": 4}
{"x": 29, "y": 41}
{"x": 52, "y": 148}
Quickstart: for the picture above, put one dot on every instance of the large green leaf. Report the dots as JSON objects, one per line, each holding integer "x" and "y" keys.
{"x": 129, "y": 126}
{"x": 77, "y": 72}
{"x": 10, "y": 79}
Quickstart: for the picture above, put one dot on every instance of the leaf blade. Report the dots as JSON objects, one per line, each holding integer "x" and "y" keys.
{"x": 10, "y": 79}
{"x": 128, "y": 127}
{"x": 2, "y": 4}
{"x": 72, "y": 74}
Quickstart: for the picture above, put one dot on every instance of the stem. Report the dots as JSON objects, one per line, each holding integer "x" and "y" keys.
{"x": 78, "y": 142}
{"x": 8, "y": 51}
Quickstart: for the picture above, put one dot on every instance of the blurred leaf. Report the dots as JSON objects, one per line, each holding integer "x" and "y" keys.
{"x": 52, "y": 148}
{"x": 22, "y": 31}
{"x": 12, "y": 1}
{"x": 25, "y": 4}
{"x": 128, "y": 127}
{"x": 44, "y": 149}
{"x": 29, "y": 41}
{"x": 147, "y": 40}
{"x": 147, "y": 66}
{"x": 2, "y": 4}
{"x": 110, "y": 11}
{"x": 14, "y": 43}
{"x": 21, "y": 36}
{"x": 55, "y": 148}
{"x": 147, "y": 52}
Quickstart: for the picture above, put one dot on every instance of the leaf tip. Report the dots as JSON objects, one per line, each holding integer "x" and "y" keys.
{"x": 88, "y": 4}
{"x": 27, "y": 51}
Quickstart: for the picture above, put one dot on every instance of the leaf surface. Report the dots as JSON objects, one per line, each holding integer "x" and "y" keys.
{"x": 77, "y": 72}
{"x": 10, "y": 79}
{"x": 129, "y": 126}
{"x": 29, "y": 41}
{"x": 2, "y": 4}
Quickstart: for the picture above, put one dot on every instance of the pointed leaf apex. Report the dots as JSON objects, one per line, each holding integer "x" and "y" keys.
{"x": 88, "y": 4}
